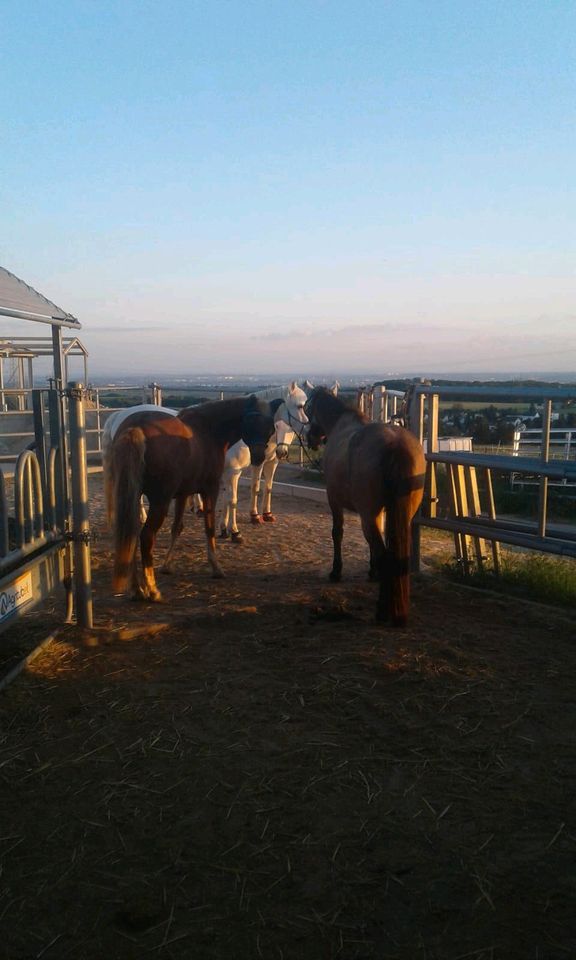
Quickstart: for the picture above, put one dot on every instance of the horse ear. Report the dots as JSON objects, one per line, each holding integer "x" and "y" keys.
{"x": 293, "y": 387}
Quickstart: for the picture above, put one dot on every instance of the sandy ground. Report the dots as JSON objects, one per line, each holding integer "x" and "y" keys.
{"x": 255, "y": 769}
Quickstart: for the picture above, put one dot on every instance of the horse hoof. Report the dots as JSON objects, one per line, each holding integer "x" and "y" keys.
{"x": 223, "y": 535}
{"x": 334, "y": 576}
{"x": 237, "y": 538}
{"x": 199, "y": 513}
{"x": 268, "y": 518}
{"x": 256, "y": 519}
{"x": 218, "y": 574}
{"x": 399, "y": 622}
{"x": 147, "y": 597}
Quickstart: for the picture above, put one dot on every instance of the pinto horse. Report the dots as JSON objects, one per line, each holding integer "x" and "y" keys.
{"x": 169, "y": 458}
{"x": 371, "y": 469}
{"x": 289, "y": 421}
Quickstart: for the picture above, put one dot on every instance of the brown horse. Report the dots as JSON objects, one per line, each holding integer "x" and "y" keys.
{"x": 169, "y": 458}
{"x": 371, "y": 468}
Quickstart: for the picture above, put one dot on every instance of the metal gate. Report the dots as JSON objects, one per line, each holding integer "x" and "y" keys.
{"x": 44, "y": 519}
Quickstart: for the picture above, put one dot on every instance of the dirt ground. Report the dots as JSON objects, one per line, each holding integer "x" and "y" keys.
{"x": 255, "y": 769}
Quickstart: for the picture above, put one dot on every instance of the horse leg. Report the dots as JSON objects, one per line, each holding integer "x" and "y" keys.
{"x": 373, "y": 536}
{"x": 269, "y": 470}
{"x": 197, "y": 500}
{"x": 337, "y": 531}
{"x": 156, "y": 517}
{"x": 224, "y": 506}
{"x": 209, "y": 526}
{"x": 234, "y": 481}
{"x": 177, "y": 528}
{"x": 255, "y": 517}
{"x": 375, "y": 541}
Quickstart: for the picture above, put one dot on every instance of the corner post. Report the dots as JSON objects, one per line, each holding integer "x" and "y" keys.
{"x": 80, "y": 508}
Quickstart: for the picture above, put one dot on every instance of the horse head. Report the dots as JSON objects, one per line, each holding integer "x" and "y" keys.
{"x": 315, "y": 436}
{"x": 323, "y": 408}
{"x": 257, "y": 428}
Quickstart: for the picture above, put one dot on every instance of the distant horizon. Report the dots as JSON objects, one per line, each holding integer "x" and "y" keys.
{"x": 344, "y": 377}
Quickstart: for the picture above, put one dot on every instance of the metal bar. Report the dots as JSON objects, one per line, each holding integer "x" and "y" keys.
{"x": 80, "y": 509}
{"x": 544, "y": 455}
{"x": 554, "y": 469}
{"x": 462, "y": 501}
{"x": 498, "y": 392}
{"x": 521, "y": 526}
{"x": 492, "y": 515}
{"x": 476, "y": 511}
{"x": 4, "y": 536}
{"x": 459, "y": 544}
{"x": 12, "y": 562}
{"x": 40, "y": 431}
{"x": 431, "y": 484}
{"x": 39, "y": 317}
{"x": 564, "y": 548}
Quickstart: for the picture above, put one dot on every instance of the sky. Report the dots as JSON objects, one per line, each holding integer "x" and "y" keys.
{"x": 296, "y": 186}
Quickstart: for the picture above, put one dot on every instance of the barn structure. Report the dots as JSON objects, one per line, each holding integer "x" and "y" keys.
{"x": 44, "y": 543}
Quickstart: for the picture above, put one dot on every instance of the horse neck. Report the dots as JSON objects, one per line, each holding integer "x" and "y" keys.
{"x": 221, "y": 419}
{"x": 329, "y": 410}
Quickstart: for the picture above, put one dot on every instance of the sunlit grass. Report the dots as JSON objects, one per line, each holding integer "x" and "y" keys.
{"x": 533, "y": 576}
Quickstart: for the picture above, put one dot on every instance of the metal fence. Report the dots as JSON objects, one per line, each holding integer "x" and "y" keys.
{"x": 17, "y": 426}
{"x": 44, "y": 526}
{"x": 472, "y": 517}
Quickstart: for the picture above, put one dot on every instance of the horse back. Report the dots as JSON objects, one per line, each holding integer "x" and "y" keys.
{"x": 169, "y": 451}
{"x": 366, "y": 465}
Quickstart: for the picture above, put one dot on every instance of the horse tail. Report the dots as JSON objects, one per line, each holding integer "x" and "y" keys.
{"x": 127, "y": 460}
{"x": 395, "y": 584}
{"x": 108, "y": 471}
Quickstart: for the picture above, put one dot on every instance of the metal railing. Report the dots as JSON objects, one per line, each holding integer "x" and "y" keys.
{"x": 468, "y": 518}
{"x": 17, "y": 427}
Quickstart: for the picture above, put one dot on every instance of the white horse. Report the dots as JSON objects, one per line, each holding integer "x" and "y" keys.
{"x": 290, "y": 421}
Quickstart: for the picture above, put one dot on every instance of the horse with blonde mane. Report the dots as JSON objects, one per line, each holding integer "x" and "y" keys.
{"x": 167, "y": 458}
{"x": 375, "y": 470}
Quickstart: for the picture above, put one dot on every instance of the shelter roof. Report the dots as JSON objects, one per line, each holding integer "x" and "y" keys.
{"x": 19, "y": 300}
{"x": 8, "y": 349}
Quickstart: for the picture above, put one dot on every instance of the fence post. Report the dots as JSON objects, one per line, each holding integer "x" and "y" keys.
{"x": 379, "y": 402}
{"x": 544, "y": 455}
{"x": 80, "y": 511}
{"x": 431, "y": 485}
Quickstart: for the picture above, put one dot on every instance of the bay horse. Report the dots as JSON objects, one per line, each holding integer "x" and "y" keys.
{"x": 169, "y": 458}
{"x": 371, "y": 469}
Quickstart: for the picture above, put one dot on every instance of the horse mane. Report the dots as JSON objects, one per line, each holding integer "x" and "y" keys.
{"x": 335, "y": 405}
{"x": 214, "y": 412}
